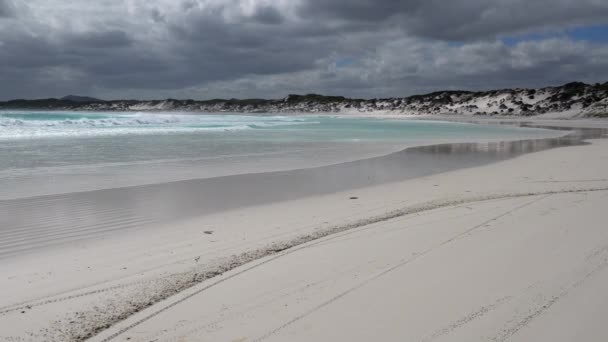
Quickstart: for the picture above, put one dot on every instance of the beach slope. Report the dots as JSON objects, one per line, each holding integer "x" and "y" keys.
{"x": 516, "y": 250}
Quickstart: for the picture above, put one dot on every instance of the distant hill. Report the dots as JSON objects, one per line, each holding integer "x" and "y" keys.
{"x": 572, "y": 100}
{"x": 75, "y": 98}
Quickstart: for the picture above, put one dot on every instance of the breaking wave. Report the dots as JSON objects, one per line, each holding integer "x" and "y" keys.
{"x": 20, "y": 125}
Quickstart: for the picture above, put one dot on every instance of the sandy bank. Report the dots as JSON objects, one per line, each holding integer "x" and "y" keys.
{"x": 504, "y": 251}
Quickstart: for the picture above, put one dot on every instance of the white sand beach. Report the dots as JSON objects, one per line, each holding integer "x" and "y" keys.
{"x": 303, "y": 171}
{"x": 516, "y": 250}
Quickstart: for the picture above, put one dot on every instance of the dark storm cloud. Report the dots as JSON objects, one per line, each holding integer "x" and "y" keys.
{"x": 464, "y": 19}
{"x": 357, "y": 10}
{"x": 213, "y": 49}
{"x": 268, "y": 15}
{"x": 108, "y": 39}
{"x": 7, "y": 9}
{"x": 268, "y": 48}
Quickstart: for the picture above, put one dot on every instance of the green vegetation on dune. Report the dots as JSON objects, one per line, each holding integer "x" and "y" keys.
{"x": 490, "y": 102}
{"x": 314, "y": 98}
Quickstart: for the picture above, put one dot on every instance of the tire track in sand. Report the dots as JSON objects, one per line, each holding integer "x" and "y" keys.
{"x": 277, "y": 249}
{"x": 393, "y": 268}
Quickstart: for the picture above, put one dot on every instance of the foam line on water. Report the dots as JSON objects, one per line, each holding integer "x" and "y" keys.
{"x": 52, "y": 125}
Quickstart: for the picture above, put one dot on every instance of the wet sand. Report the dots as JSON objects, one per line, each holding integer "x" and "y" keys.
{"x": 37, "y": 222}
{"x": 502, "y": 247}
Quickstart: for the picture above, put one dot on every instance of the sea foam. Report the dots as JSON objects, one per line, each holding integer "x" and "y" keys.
{"x": 18, "y": 125}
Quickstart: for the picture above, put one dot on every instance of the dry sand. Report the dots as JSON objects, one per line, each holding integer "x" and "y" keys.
{"x": 515, "y": 250}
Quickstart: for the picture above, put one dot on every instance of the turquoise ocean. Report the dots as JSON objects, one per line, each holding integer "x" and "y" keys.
{"x": 59, "y": 152}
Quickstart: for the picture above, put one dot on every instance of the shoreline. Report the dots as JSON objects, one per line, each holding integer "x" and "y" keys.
{"x": 141, "y": 206}
{"x": 394, "y": 150}
{"x": 292, "y": 218}
{"x": 31, "y": 182}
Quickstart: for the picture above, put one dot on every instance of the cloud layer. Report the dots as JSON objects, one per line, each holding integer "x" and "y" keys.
{"x": 254, "y": 48}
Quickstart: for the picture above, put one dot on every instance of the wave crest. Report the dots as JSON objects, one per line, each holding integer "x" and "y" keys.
{"x": 35, "y": 125}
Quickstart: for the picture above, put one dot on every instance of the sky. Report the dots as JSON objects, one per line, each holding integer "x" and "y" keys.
{"x": 203, "y": 49}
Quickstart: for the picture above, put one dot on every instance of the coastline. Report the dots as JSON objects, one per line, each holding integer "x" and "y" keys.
{"x": 57, "y": 219}
{"x": 571, "y": 100}
{"x": 131, "y": 265}
{"x": 303, "y": 171}
{"x": 30, "y": 176}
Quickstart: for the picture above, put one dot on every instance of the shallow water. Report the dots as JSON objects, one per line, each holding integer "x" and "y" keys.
{"x": 51, "y": 153}
{"x": 34, "y": 222}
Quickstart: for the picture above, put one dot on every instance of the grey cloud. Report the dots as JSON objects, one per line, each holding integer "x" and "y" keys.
{"x": 462, "y": 20}
{"x": 268, "y": 15}
{"x": 438, "y": 66}
{"x": 357, "y": 10}
{"x": 157, "y": 16}
{"x": 223, "y": 49}
{"x": 202, "y": 49}
{"x": 107, "y": 39}
{"x": 7, "y": 9}
{"x": 25, "y": 52}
